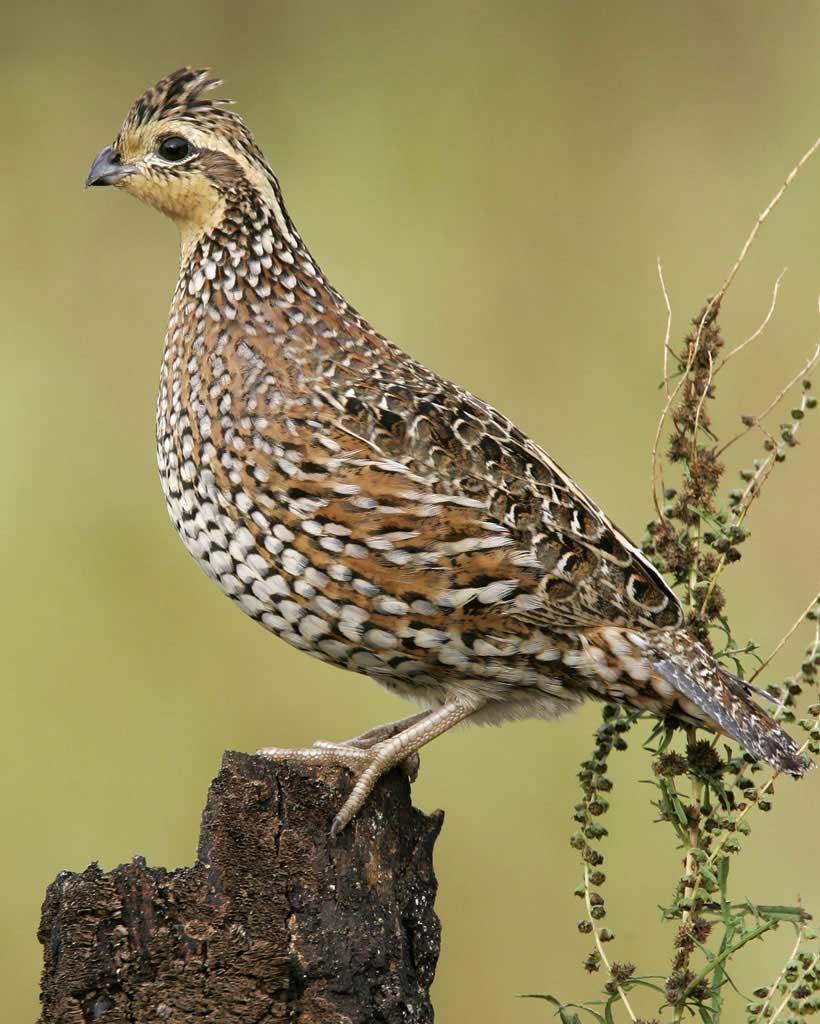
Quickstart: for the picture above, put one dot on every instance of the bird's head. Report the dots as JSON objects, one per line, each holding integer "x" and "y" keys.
{"x": 187, "y": 155}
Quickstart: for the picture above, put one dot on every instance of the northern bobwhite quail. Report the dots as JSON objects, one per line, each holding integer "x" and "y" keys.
{"x": 368, "y": 511}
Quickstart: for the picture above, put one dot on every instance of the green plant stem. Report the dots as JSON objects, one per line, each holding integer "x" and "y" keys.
{"x": 729, "y": 928}
{"x": 720, "y": 958}
{"x": 691, "y": 870}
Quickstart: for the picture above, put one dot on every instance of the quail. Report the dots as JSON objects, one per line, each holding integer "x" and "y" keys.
{"x": 368, "y": 511}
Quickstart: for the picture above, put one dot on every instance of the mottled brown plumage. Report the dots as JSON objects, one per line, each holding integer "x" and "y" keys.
{"x": 365, "y": 509}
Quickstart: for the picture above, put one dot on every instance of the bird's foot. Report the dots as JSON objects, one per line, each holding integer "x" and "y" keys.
{"x": 367, "y": 764}
{"x": 367, "y": 740}
{"x": 380, "y": 732}
{"x": 410, "y": 765}
{"x": 374, "y": 753}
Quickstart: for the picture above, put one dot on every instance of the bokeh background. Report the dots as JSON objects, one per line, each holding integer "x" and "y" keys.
{"x": 491, "y": 184}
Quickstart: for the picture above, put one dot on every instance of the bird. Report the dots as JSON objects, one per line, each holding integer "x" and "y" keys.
{"x": 365, "y": 509}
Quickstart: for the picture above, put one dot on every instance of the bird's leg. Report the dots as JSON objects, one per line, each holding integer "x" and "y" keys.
{"x": 373, "y": 736}
{"x": 410, "y": 765}
{"x": 387, "y": 753}
{"x": 370, "y": 763}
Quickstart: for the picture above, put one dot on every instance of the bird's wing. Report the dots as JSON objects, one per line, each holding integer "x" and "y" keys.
{"x": 574, "y": 567}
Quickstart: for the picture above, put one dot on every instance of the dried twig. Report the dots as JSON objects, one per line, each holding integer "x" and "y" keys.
{"x": 668, "y": 331}
{"x": 714, "y": 304}
{"x": 657, "y": 484}
{"x": 800, "y": 932}
{"x": 762, "y": 791}
{"x": 761, "y": 473}
{"x": 810, "y": 967}
{"x": 781, "y": 643}
{"x": 755, "y": 334}
{"x": 756, "y": 421}
{"x": 600, "y": 946}
{"x": 759, "y": 223}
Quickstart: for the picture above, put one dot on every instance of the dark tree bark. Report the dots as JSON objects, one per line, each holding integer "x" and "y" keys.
{"x": 275, "y": 921}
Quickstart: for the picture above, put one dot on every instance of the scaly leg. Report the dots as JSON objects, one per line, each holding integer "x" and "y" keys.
{"x": 410, "y": 765}
{"x": 373, "y": 736}
{"x": 370, "y": 763}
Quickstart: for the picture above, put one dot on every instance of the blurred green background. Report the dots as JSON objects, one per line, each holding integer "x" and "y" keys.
{"x": 491, "y": 185}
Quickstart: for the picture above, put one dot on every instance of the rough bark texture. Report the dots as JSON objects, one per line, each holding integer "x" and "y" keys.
{"x": 275, "y": 921}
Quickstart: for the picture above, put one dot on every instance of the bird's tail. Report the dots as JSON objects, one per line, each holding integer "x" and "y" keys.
{"x": 692, "y": 684}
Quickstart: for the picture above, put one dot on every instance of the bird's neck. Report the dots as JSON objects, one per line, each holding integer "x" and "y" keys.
{"x": 240, "y": 227}
{"x": 251, "y": 276}
{"x": 247, "y": 258}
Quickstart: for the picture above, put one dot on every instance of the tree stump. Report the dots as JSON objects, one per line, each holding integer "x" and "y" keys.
{"x": 274, "y": 922}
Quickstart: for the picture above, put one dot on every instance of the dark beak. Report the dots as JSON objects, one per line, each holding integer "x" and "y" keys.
{"x": 108, "y": 169}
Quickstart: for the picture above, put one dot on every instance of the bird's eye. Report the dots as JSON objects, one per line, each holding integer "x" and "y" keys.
{"x": 174, "y": 148}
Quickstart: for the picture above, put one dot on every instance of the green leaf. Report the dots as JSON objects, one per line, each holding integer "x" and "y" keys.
{"x": 648, "y": 984}
{"x": 680, "y": 813}
{"x": 797, "y": 915}
{"x": 708, "y": 874}
{"x": 709, "y": 518}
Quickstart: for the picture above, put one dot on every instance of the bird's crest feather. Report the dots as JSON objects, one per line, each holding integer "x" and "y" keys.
{"x": 179, "y": 96}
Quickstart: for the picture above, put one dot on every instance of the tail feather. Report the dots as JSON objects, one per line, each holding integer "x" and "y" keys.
{"x": 669, "y": 671}
{"x": 724, "y": 699}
